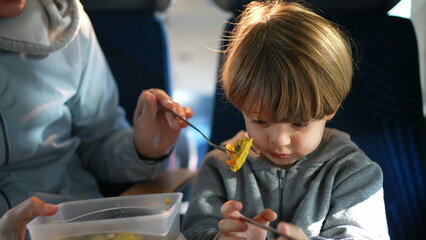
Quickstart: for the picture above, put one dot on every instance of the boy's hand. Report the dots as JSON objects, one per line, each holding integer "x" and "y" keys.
{"x": 233, "y": 228}
{"x": 13, "y": 222}
{"x": 155, "y": 129}
{"x": 292, "y": 231}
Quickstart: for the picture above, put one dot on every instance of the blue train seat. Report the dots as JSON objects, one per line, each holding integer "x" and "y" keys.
{"x": 134, "y": 39}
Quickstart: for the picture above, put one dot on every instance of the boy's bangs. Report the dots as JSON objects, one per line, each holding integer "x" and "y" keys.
{"x": 275, "y": 103}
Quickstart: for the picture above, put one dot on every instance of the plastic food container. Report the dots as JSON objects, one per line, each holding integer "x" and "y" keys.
{"x": 150, "y": 216}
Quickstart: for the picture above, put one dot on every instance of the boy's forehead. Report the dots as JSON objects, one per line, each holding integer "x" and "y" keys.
{"x": 256, "y": 115}
{"x": 268, "y": 116}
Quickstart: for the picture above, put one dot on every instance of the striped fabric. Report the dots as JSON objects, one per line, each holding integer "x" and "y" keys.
{"x": 383, "y": 114}
{"x": 135, "y": 45}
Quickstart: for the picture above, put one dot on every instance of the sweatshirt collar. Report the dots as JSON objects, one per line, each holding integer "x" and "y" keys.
{"x": 43, "y": 27}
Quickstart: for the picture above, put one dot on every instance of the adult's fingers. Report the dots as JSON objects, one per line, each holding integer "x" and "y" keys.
{"x": 153, "y": 100}
{"x": 162, "y": 97}
{"x": 12, "y": 224}
{"x": 173, "y": 121}
{"x": 146, "y": 107}
{"x": 32, "y": 207}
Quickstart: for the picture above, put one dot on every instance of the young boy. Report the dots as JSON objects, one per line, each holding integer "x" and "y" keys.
{"x": 288, "y": 70}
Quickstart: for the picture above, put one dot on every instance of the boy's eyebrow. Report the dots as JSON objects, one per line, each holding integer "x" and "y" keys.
{"x": 253, "y": 116}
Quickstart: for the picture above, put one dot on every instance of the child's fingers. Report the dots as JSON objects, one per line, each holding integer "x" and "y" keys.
{"x": 228, "y": 237}
{"x": 292, "y": 231}
{"x": 231, "y": 209}
{"x": 265, "y": 216}
{"x": 231, "y": 227}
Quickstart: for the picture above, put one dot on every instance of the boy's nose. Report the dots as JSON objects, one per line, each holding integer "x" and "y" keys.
{"x": 280, "y": 136}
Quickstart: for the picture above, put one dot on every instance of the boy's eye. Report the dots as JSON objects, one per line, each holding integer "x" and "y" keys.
{"x": 258, "y": 121}
{"x": 302, "y": 124}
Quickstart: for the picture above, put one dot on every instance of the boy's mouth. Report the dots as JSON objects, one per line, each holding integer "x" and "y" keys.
{"x": 280, "y": 155}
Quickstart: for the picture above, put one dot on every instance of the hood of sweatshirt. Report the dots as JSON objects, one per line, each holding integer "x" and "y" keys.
{"x": 43, "y": 27}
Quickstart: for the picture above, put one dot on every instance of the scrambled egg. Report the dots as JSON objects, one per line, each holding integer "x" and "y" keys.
{"x": 242, "y": 147}
{"x": 127, "y": 236}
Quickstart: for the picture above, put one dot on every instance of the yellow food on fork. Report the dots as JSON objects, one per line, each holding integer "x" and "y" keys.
{"x": 242, "y": 147}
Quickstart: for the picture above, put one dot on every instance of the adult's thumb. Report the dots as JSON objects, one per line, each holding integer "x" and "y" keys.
{"x": 147, "y": 107}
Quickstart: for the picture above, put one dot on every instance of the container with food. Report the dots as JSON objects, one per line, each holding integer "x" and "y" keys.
{"x": 147, "y": 217}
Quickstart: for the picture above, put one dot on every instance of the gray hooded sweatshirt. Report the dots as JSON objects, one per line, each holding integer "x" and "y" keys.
{"x": 334, "y": 192}
{"x": 60, "y": 124}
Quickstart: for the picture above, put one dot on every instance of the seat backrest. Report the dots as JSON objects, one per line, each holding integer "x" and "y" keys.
{"x": 384, "y": 116}
{"x": 134, "y": 41}
{"x": 382, "y": 113}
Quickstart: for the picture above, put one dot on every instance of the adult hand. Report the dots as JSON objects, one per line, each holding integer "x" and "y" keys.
{"x": 156, "y": 130}
{"x": 13, "y": 222}
{"x": 292, "y": 231}
{"x": 233, "y": 228}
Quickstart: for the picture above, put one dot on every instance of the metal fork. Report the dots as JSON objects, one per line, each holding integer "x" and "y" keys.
{"x": 218, "y": 147}
{"x": 273, "y": 230}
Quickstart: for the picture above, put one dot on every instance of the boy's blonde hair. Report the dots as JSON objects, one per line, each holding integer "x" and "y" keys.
{"x": 286, "y": 63}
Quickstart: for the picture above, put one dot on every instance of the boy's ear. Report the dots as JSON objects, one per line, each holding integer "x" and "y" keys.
{"x": 331, "y": 116}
